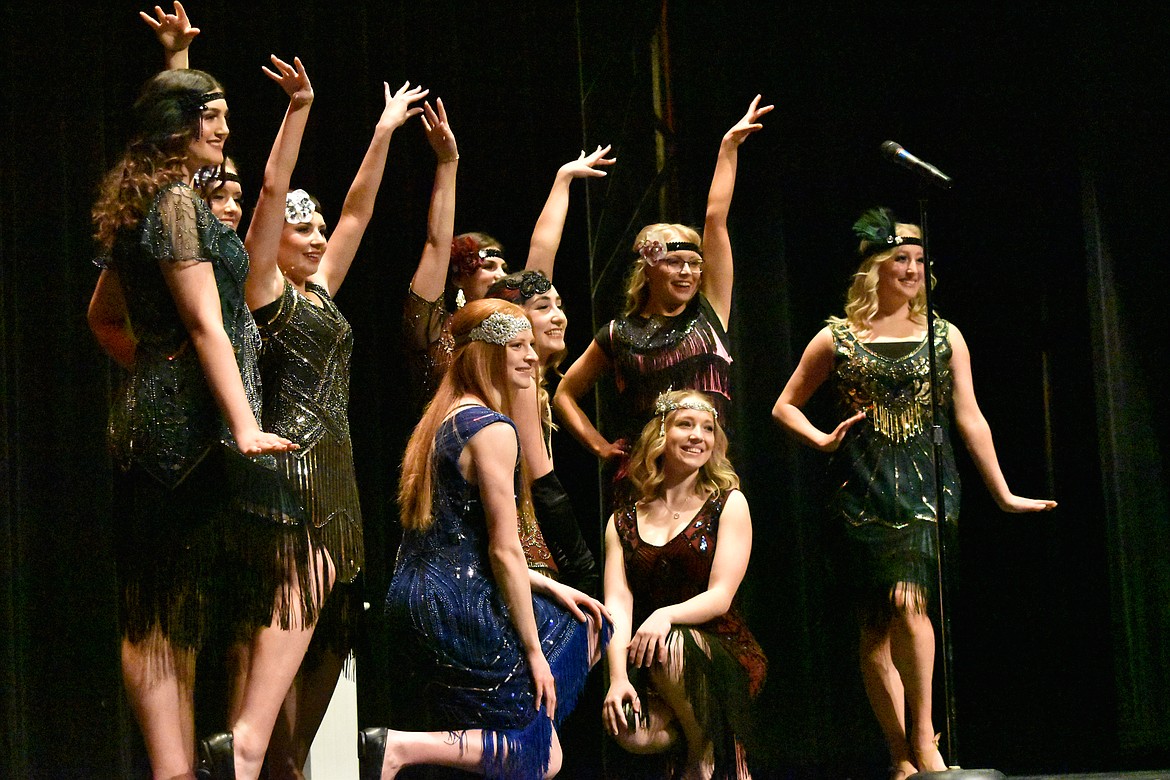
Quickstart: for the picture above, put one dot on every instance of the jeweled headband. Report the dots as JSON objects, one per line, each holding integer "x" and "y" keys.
{"x": 298, "y": 207}
{"x": 664, "y": 406}
{"x": 877, "y": 227}
{"x": 497, "y": 328}
{"x": 210, "y": 173}
{"x": 653, "y": 250}
{"x": 466, "y": 259}
{"x": 521, "y": 287}
{"x": 194, "y": 104}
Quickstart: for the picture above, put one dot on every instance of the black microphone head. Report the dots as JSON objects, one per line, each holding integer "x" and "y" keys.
{"x": 892, "y": 148}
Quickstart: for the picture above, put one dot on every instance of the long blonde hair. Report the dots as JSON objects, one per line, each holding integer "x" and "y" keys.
{"x": 861, "y": 301}
{"x": 637, "y": 283}
{"x": 477, "y": 368}
{"x": 646, "y": 471}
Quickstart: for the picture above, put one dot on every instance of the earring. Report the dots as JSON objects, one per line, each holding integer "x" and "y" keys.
{"x": 460, "y": 299}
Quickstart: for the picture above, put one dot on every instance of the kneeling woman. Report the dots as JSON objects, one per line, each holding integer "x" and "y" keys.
{"x": 501, "y": 652}
{"x": 674, "y": 561}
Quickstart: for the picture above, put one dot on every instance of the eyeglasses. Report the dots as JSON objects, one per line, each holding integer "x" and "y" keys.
{"x": 677, "y": 263}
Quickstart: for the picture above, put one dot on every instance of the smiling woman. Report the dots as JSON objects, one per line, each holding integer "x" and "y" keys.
{"x": 674, "y": 562}
{"x": 673, "y": 332}
{"x": 186, "y": 415}
{"x": 882, "y": 465}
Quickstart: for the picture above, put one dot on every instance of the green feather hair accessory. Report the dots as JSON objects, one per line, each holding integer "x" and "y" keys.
{"x": 877, "y": 228}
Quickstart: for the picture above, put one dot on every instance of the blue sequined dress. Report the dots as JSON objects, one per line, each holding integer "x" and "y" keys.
{"x": 454, "y": 632}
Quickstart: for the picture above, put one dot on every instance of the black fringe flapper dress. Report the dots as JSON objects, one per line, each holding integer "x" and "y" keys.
{"x": 305, "y": 368}
{"x": 204, "y": 536}
{"x": 884, "y": 469}
{"x": 723, "y": 665}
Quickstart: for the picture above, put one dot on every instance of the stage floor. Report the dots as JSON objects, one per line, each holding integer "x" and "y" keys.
{"x": 1163, "y": 774}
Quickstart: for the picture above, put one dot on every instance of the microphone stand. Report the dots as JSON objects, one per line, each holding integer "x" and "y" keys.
{"x": 943, "y": 560}
{"x": 936, "y": 443}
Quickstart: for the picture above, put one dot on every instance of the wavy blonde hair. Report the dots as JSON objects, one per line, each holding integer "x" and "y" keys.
{"x": 861, "y": 301}
{"x": 155, "y": 156}
{"x": 637, "y": 283}
{"x": 646, "y": 471}
{"x": 477, "y": 368}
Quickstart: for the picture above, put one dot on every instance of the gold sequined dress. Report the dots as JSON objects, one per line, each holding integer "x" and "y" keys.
{"x": 884, "y": 472}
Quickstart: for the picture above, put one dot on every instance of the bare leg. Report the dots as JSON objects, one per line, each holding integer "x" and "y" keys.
{"x": 912, "y": 651}
{"x": 887, "y": 697}
{"x": 658, "y": 734}
{"x": 275, "y": 657}
{"x": 667, "y": 680}
{"x": 456, "y": 749}
{"x": 161, "y": 694}
{"x": 301, "y": 715}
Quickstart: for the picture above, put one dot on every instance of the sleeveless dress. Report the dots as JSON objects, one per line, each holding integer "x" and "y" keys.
{"x": 455, "y": 635}
{"x": 204, "y": 535}
{"x": 687, "y": 351}
{"x": 426, "y": 335}
{"x": 723, "y": 665}
{"x": 305, "y": 367}
{"x": 884, "y": 467}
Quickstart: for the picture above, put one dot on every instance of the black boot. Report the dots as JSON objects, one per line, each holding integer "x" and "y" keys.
{"x": 557, "y": 522}
{"x": 217, "y": 760}
{"x": 371, "y": 752}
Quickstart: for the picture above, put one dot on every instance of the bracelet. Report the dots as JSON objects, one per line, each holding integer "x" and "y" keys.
{"x": 449, "y": 159}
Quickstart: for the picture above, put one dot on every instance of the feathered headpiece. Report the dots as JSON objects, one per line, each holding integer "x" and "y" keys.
{"x": 877, "y": 228}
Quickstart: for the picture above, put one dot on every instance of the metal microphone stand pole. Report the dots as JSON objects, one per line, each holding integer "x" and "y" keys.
{"x": 944, "y": 562}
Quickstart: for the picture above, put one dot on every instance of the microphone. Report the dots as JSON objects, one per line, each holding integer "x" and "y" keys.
{"x": 895, "y": 152}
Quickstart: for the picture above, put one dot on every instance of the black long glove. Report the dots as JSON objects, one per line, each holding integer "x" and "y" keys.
{"x": 558, "y": 523}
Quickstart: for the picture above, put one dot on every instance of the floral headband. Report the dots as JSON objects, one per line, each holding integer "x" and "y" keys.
{"x": 664, "y": 406}
{"x": 498, "y": 328}
{"x": 298, "y": 207}
{"x": 521, "y": 287}
{"x": 653, "y": 250}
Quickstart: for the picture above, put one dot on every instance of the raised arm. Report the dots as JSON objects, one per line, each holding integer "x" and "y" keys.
{"x": 733, "y": 548}
{"x": 816, "y": 364}
{"x": 976, "y": 433}
{"x": 620, "y": 603}
{"x": 546, "y": 236}
{"x": 579, "y": 380}
{"x": 430, "y": 278}
{"x": 493, "y": 451}
{"x": 358, "y": 208}
{"x": 719, "y": 274}
{"x": 265, "y": 281}
{"x": 174, "y": 32}
{"x": 110, "y": 322}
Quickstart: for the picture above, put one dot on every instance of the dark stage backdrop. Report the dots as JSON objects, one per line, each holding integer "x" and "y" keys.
{"x": 1049, "y": 255}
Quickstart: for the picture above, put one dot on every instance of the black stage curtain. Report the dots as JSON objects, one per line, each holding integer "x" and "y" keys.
{"x": 1047, "y": 255}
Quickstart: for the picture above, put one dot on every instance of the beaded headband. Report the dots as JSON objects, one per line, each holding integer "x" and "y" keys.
{"x": 664, "y": 406}
{"x": 193, "y": 105}
{"x": 466, "y": 259}
{"x": 519, "y": 288}
{"x": 653, "y": 250}
{"x": 298, "y": 207}
{"x": 212, "y": 173}
{"x": 498, "y": 328}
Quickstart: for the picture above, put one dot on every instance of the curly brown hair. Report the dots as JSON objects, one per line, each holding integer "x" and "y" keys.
{"x": 166, "y": 121}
